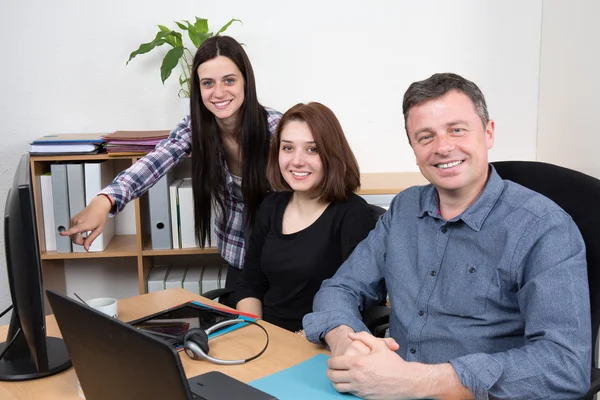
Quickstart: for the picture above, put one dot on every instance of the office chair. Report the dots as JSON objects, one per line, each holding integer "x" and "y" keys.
{"x": 373, "y": 317}
{"x": 579, "y": 195}
{"x": 223, "y": 295}
{"x": 377, "y": 317}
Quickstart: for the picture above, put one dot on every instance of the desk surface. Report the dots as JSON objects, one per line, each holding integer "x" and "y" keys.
{"x": 285, "y": 350}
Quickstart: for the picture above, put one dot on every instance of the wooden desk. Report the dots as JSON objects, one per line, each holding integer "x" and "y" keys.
{"x": 285, "y": 350}
{"x": 389, "y": 182}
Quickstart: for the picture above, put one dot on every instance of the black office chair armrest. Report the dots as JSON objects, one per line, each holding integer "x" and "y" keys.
{"x": 217, "y": 293}
{"x": 377, "y": 319}
{"x": 595, "y": 386}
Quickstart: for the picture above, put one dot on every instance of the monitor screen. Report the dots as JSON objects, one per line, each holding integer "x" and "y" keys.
{"x": 27, "y": 353}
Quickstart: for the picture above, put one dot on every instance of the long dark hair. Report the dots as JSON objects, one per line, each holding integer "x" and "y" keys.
{"x": 208, "y": 157}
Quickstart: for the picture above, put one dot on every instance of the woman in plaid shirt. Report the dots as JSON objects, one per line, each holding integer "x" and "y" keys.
{"x": 228, "y": 134}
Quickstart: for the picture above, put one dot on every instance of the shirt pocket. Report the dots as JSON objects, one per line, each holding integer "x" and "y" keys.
{"x": 464, "y": 290}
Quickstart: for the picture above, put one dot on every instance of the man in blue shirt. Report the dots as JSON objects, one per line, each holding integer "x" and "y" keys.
{"x": 487, "y": 279}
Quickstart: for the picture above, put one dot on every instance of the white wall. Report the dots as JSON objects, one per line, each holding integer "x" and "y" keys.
{"x": 63, "y": 67}
{"x": 568, "y": 132}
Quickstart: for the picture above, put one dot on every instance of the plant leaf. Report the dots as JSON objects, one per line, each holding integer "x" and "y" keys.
{"x": 182, "y": 26}
{"x": 177, "y": 39}
{"x": 201, "y": 25}
{"x": 183, "y": 93}
{"x": 193, "y": 34}
{"x": 183, "y": 79}
{"x": 144, "y": 48}
{"x": 190, "y": 27}
{"x": 185, "y": 85}
{"x": 169, "y": 62}
{"x": 224, "y": 28}
{"x": 174, "y": 38}
{"x": 202, "y": 37}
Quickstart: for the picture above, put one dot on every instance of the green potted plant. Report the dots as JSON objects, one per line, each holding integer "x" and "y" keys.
{"x": 180, "y": 54}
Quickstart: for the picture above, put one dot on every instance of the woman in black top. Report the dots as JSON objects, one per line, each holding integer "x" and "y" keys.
{"x": 306, "y": 230}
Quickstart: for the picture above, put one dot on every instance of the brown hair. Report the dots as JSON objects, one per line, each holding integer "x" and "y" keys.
{"x": 341, "y": 175}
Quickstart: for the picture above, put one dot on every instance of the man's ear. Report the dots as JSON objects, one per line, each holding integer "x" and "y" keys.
{"x": 490, "y": 133}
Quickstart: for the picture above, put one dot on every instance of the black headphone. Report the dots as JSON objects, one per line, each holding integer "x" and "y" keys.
{"x": 195, "y": 342}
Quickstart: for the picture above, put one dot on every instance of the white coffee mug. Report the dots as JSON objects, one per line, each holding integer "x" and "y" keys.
{"x": 106, "y": 305}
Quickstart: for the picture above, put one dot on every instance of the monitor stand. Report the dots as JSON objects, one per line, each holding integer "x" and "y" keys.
{"x": 23, "y": 369}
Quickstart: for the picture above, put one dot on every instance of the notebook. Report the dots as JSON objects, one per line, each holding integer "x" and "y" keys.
{"x": 116, "y": 361}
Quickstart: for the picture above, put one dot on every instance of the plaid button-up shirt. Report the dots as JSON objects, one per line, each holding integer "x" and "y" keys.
{"x": 141, "y": 176}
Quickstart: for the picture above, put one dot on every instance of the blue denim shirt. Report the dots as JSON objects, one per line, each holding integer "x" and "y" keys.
{"x": 500, "y": 291}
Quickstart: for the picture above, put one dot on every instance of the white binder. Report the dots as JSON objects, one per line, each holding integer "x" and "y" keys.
{"x": 97, "y": 176}
{"x": 193, "y": 279}
{"x": 186, "y": 212}
{"x": 48, "y": 211}
{"x": 175, "y": 218}
{"x": 156, "y": 278}
{"x": 210, "y": 278}
{"x": 175, "y": 277}
{"x": 223, "y": 276}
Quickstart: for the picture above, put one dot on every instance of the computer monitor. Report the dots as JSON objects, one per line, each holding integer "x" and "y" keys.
{"x": 27, "y": 353}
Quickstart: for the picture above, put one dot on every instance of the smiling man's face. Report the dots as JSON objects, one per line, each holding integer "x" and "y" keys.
{"x": 451, "y": 143}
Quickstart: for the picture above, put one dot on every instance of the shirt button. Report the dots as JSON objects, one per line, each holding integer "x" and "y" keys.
{"x": 471, "y": 270}
{"x": 444, "y": 229}
{"x": 421, "y": 313}
{"x": 412, "y": 350}
{"x": 433, "y": 273}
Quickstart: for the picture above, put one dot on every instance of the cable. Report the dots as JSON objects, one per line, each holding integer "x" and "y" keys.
{"x": 5, "y": 311}
{"x": 10, "y": 343}
{"x": 177, "y": 340}
{"x": 195, "y": 343}
{"x": 266, "y": 344}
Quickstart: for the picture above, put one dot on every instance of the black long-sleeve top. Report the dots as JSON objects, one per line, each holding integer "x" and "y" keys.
{"x": 286, "y": 271}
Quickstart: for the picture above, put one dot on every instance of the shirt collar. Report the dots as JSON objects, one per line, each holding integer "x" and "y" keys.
{"x": 474, "y": 216}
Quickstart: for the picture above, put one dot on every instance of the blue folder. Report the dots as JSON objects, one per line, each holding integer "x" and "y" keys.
{"x": 306, "y": 380}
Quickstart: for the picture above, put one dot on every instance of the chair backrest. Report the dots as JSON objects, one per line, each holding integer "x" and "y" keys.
{"x": 375, "y": 325}
{"x": 579, "y": 195}
{"x": 376, "y": 211}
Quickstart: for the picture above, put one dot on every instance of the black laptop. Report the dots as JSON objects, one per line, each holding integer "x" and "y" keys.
{"x": 116, "y": 361}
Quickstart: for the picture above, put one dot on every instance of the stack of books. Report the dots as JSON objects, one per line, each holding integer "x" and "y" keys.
{"x": 75, "y": 143}
{"x": 133, "y": 142}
